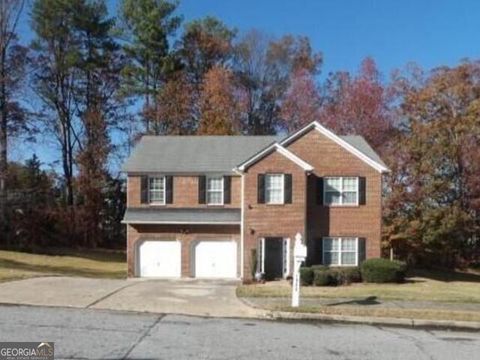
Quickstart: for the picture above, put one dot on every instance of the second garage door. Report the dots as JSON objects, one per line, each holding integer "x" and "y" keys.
{"x": 216, "y": 259}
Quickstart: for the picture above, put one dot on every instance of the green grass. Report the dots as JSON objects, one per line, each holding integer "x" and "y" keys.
{"x": 423, "y": 286}
{"x": 15, "y": 265}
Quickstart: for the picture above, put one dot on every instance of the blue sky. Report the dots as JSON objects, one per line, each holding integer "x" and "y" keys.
{"x": 431, "y": 33}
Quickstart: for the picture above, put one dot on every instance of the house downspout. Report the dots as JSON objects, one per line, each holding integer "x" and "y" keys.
{"x": 242, "y": 218}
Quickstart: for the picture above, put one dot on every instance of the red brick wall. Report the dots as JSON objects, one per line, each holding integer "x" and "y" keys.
{"x": 329, "y": 158}
{"x": 263, "y": 220}
{"x": 185, "y": 192}
{"x": 187, "y": 234}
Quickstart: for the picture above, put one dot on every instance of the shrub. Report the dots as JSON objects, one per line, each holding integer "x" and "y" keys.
{"x": 322, "y": 278}
{"x": 383, "y": 271}
{"x": 306, "y": 276}
{"x": 346, "y": 275}
{"x": 319, "y": 267}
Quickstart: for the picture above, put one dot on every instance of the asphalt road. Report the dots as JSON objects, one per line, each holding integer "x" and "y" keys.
{"x": 99, "y": 334}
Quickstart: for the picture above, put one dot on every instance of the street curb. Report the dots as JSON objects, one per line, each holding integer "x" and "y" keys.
{"x": 377, "y": 321}
{"x": 366, "y": 320}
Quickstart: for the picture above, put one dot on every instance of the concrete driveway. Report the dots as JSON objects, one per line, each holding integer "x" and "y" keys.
{"x": 189, "y": 297}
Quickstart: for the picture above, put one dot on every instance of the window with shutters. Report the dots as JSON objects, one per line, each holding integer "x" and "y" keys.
{"x": 156, "y": 190}
{"x": 340, "y": 191}
{"x": 274, "y": 188}
{"x": 340, "y": 251}
{"x": 215, "y": 190}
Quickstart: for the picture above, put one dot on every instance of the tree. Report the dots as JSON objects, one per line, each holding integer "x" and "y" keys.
{"x": 148, "y": 25}
{"x": 205, "y": 43}
{"x": 220, "y": 105}
{"x": 264, "y": 67}
{"x": 99, "y": 64}
{"x": 175, "y": 107}
{"x": 31, "y": 198}
{"x": 302, "y": 101}
{"x": 433, "y": 210}
{"x": 12, "y": 72}
{"x": 359, "y": 105}
{"x": 55, "y": 74}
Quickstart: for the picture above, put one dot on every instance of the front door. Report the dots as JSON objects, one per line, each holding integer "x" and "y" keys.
{"x": 273, "y": 266}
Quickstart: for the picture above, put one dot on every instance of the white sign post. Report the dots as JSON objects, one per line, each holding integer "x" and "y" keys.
{"x": 299, "y": 255}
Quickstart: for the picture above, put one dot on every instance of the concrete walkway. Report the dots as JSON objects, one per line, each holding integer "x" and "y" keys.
{"x": 189, "y": 297}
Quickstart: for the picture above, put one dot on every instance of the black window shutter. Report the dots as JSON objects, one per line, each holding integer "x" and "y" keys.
{"x": 287, "y": 188}
{"x": 319, "y": 250}
{"x": 319, "y": 191}
{"x": 144, "y": 190}
{"x": 169, "y": 189}
{"x": 362, "y": 250}
{"x": 261, "y": 189}
{"x": 362, "y": 188}
{"x": 202, "y": 183}
{"x": 227, "y": 187}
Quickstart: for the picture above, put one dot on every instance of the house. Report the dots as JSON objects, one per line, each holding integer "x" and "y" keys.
{"x": 227, "y": 206}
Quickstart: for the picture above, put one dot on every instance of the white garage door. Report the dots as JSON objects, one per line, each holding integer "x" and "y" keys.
{"x": 216, "y": 259}
{"x": 160, "y": 259}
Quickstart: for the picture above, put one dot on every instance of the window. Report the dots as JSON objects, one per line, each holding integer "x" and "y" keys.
{"x": 215, "y": 190}
{"x": 341, "y": 191}
{"x": 156, "y": 190}
{"x": 274, "y": 188}
{"x": 340, "y": 251}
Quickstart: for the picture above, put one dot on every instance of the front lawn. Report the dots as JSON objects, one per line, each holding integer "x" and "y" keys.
{"x": 424, "y": 286}
{"x": 15, "y": 265}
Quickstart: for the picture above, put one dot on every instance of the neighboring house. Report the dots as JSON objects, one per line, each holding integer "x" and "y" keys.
{"x": 227, "y": 206}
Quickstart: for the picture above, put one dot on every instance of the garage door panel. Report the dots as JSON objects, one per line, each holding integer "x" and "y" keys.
{"x": 216, "y": 259}
{"x": 160, "y": 259}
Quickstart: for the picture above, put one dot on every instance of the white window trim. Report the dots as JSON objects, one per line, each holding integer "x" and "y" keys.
{"x": 357, "y": 202}
{"x": 154, "y": 203}
{"x": 286, "y": 270}
{"x": 283, "y": 189}
{"x": 262, "y": 264}
{"x": 222, "y": 190}
{"x": 340, "y": 250}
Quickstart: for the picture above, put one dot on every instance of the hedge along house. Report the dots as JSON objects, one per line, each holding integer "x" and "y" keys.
{"x": 228, "y": 206}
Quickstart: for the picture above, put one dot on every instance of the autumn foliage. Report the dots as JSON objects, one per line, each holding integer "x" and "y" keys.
{"x": 99, "y": 81}
{"x": 220, "y": 104}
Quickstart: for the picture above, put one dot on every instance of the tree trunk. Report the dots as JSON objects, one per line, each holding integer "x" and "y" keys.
{"x": 3, "y": 148}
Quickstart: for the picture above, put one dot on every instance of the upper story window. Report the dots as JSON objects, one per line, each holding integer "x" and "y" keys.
{"x": 274, "y": 188}
{"x": 156, "y": 190}
{"x": 340, "y": 191}
{"x": 215, "y": 190}
{"x": 340, "y": 251}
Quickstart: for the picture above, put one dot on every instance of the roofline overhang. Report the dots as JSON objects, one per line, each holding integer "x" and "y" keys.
{"x": 274, "y": 147}
{"x": 146, "y": 222}
{"x": 337, "y": 139}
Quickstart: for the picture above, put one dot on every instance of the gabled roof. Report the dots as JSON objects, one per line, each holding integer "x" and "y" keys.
{"x": 354, "y": 144}
{"x": 193, "y": 154}
{"x": 275, "y": 147}
{"x": 182, "y": 216}
{"x": 226, "y": 154}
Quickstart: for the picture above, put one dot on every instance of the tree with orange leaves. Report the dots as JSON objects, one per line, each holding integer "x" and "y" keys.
{"x": 220, "y": 104}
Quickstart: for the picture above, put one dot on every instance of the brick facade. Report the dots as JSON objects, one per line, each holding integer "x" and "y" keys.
{"x": 330, "y": 159}
{"x": 303, "y": 215}
{"x": 188, "y": 235}
{"x": 185, "y": 192}
{"x": 265, "y": 220}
